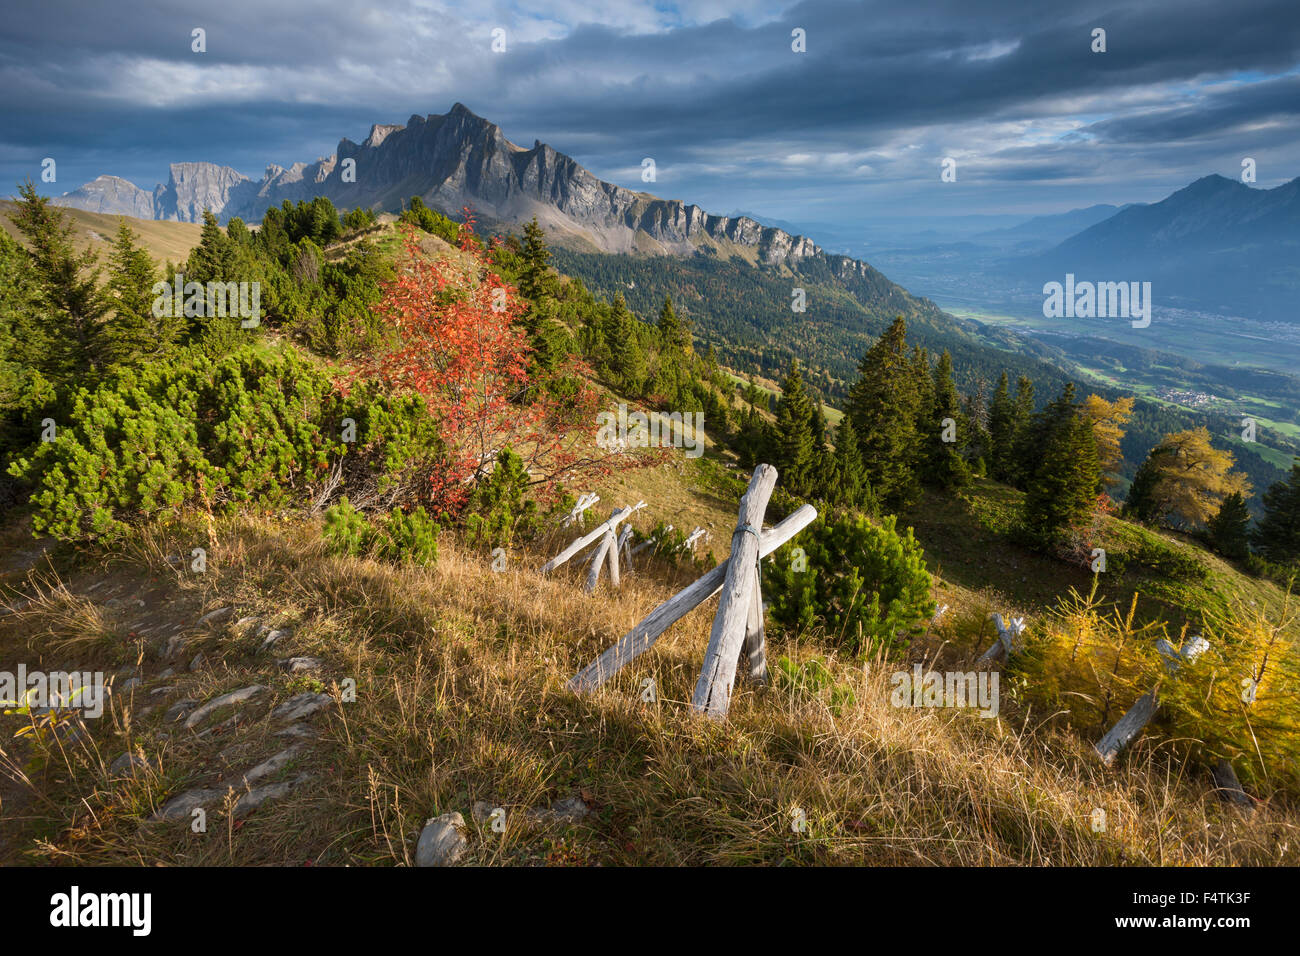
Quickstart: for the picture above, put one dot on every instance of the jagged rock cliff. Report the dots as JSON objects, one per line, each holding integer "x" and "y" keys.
{"x": 109, "y": 195}
{"x": 460, "y": 159}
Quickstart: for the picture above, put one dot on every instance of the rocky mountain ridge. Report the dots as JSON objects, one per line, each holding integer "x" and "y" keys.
{"x": 455, "y": 160}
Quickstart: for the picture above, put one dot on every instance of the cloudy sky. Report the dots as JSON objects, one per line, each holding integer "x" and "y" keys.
{"x": 854, "y": 130}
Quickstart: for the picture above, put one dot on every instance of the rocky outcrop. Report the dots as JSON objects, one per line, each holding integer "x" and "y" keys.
{"x": 111, "y": 196}
{"x": 193, "y": 188}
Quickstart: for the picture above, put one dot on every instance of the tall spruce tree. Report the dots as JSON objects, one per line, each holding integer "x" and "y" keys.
{"x": 133, "y": 332}
{"x": 672, "y": 333}
{"x": 626, "y": 358}
{"x": 793, "y": 451}
{"x": 1023, "y": 453}
{"x": 1002, "y": 429}
{"x": 1063, "y": 489}
{"x": 1277, "y": 535}
{"x": 883, "y": 405}
{"x": 1229, "y": 529}
{"x": 535, "y": 276}
{"x": 69, "y": 304}
{"x": 943, "y": 462}
{"x": 849, "y": 487}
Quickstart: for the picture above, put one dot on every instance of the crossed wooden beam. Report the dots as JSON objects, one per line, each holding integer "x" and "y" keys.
{"x": 606, "y": 553}
{"x": 1136, "y": 718}
{"x": 738, "y": 623}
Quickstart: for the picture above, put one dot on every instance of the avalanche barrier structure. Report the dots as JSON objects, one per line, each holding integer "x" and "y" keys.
{"x": 606, "y": 552}
{"x": 738, "y": 623}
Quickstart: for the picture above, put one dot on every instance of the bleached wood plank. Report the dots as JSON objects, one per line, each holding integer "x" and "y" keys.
{"x": 755, "y": 639}
{"x": 576, "y": 546}
{"x": 718, "y": 675}
{"x": 598, "y": 560}
{"x": 1128, "y": 727}
{"x": 650, "y": 628}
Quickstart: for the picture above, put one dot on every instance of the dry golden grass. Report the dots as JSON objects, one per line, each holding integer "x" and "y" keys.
{"x": 460, "y": 697}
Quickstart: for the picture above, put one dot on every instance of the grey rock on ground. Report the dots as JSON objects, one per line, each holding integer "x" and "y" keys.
{"x": 175, "y": 645}
{"x": 301, "y": 731}
{"x": 254, "y": 798}
{"x": 127, "y": 764}
{"x": 301, "y": 705}
{"x": 235, "y": 697}
{"x": 179, "y": 709}
{"x": 180, "y": 806}
{"x": 568, "y": 810}
{"x": 272, "y": 638}
{"x": 300, "y": 665}
{"x": 217, "y": 616}
{"x": 441, "y": 841}
{"x": 273, "y": 765}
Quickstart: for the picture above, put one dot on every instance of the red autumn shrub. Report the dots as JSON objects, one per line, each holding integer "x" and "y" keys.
{"x": 460, "y": 347}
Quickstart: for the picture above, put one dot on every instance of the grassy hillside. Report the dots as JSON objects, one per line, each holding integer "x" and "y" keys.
{"x": 166, "y": 241}
{"x": 460, "y": 699}
{"x": 372, "y": 695}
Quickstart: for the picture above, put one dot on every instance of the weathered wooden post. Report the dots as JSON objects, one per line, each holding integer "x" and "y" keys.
{"x": 598, "y": 559}
{"x": 584, "y": 502}
{"x": 739, "y": 590}
{"x": 649, "y": 629}
{"x": 621, "y": 514}
{"x": 625, "y": 545}
{"x": 1128, "y": 727}
{"x": 612, "y": 557}
{"x": 1008, "y": 641}
{"x": 755, "y": 649}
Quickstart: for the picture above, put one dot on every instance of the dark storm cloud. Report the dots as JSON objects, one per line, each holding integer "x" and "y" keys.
{"x": 884, "y": 91}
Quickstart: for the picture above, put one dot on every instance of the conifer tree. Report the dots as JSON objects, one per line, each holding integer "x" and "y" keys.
{"x": 943, "y": 462}
{"x": 215, "y": 258}
{"x": 1002, "y": 425}
{"x": 133, "y": 332}
{"x": 672, "y": 333}
{"x": 883, "y": 404}
{"x": 1277, "y": 535}
{"x": 849, "y": 478}
{"x": 793, "y": 451}
{"x": 535, "y": 278}
{"x": 69, "y": 304}
{"x": 1063, "y": 489}
{"x": 1229, "y": 529}
{"x": 1021, "y": 464}
{"x": 1184, "y": 480}
{"x": 627, "y": 361}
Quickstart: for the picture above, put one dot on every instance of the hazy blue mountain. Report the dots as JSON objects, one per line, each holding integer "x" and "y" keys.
{"x": 1216, "y": 245}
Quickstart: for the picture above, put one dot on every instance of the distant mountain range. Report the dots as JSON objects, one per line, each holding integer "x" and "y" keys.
{"x": 1051, "y": 229}
{"x": 1216, "y": 245}
{"x": 456, "y": 160}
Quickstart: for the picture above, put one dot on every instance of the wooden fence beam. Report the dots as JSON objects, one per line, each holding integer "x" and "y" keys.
{"x": 650, "y": 628}
{"x": 718, "y": 675}
{"x": 1128, "y": 727}
{"x": 755, "y": 642}
{"x": 598, "y": 560}
{"x": 612, "y": 558}
{"x": 620, "y": 514}
{"x": 1008, "y": 641}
